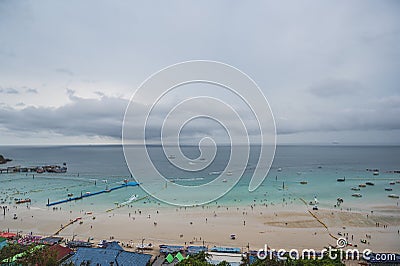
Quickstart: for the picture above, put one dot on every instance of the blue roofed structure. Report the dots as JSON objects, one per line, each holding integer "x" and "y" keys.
{"x": 225, "y": 250}
{"x": 114, "y": 246}
{"x": 113, "y": 254}
{"x": 3, "y": 242}
{"x": 196, "y": 249}
{"x": 166, "y": 249}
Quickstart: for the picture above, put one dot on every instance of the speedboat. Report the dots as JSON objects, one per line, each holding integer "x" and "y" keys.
{"x": 171, "y": 156}
{"x": 214, "y": 173}
{"x": 279, "y": 169}
{"x": 388, "y": 189}
{"x": 224, "y": 181}
{"x": 394, "y": 196}
{"x": 23, "y": 201}
{"x": 355, "y": 188}
{"x": 357, "y": 195}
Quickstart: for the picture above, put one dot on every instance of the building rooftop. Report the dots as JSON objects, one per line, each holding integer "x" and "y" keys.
{"x": 110, "y": 255}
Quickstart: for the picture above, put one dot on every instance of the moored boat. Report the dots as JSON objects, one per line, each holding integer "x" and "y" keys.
{"x": 355, "y": 188}
{"x": 341, "y": 179}
{"x": 362, "y": 185}
{"x": 357, "y": 195}
{"x": 388, "y": 189}
{"x": 370, "y": 183}
{"x": 392, "y": 183}
{"x": 144, "y": 247}
{"x": 23, "y": 201}
{"x": 394, "y": 196}
{"x": 303, "y": 182}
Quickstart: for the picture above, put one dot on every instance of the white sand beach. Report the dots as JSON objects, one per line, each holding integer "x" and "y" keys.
{"x": 286, "y": 228}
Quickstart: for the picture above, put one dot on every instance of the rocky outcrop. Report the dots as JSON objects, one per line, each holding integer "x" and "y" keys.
{"x": 4, "y": 160}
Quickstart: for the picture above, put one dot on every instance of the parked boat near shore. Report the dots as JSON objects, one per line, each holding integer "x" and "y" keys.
{"x": 19, "y": 201}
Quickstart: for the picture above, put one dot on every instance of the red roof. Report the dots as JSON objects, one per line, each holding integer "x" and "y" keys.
{"x": 7, "y": 235}
{"x": 61, "y": 251}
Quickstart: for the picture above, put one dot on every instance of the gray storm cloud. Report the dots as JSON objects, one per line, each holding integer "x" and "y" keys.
{"x": 329, "y": 69}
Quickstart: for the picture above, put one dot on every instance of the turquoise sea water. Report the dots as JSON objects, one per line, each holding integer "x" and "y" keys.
{"x": 320, "y": 166}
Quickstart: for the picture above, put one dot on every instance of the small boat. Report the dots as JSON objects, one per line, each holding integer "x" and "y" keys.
{"x": 303, "y": 182}
{"x": 394, "y": 196}
{"x": 214, "y": 173}
{"x": 224, "y": 181}
{"x": 171, "y": 157}
{"x": 392, "y": 183}
{"x": 102, "y": 244}
{"x": 229, "y": 173}
{"x": 40, "y": 171}
{"x": 355, "y": 188}
{"x": 388, "y": 189}
{"x": 341, "y": 179}
{"x": 279, "y": 169}
{"x": 362, "y": 185}
{"x": 144, "y": 247}
{"x": 375, "y": 173}
{"x": 23, "y": 201}
{"x": 398, "y": 181}
{"x": 233, "y": 236}
{"x": 370, "y": 183}
{"x": 357, "y": 195}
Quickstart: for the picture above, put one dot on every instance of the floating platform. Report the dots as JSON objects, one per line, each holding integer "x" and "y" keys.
{"x": 128, "y": 184}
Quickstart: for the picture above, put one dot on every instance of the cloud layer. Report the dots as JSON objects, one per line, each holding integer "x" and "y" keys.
{"x": 329, "y": 70}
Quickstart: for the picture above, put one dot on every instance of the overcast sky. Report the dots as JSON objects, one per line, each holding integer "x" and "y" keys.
{"x": 329, "y": 69}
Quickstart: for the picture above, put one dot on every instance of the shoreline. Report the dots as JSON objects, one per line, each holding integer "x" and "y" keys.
{"x": 291, "y": 227}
